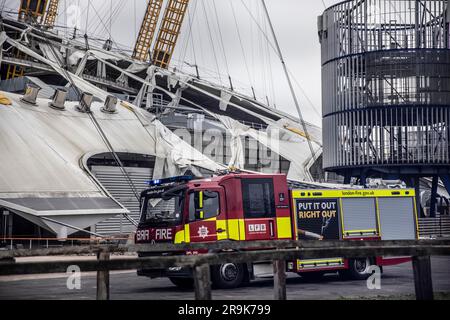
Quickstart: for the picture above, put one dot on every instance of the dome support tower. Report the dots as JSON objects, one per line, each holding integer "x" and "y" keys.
{"x": 386, "y": 90}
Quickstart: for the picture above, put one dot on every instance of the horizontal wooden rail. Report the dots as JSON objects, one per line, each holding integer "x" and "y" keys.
{"x": 356, "y": 251}
{"x": 219, "y": 246}
{"x": 225, "y": 252}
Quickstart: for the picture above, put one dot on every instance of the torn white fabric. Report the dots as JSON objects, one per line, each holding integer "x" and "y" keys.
{"x": 147, "y": 87}
{"x": 75, "y": 56}
{"x": 82, "y": 84}
{"x": 82, "y": 64}
{"x": 51, "y": 54}
{"x": 184, "y": 83}
{"x": 137, "y": 67}
{"x": 297, "y": 152}
{"x": 237, "y": 130}
{"x": 167, "y": 73}
{"x": 182, "y": 153}
{"x": 172, "y": 82}
{"x": 179, "y": 152}
{"x": 175, "y": 99}
{"x": 24, "y": 35}
{"x": 225, "y": 98}
{"x": 294, "y": 148}
{"x": 123, "y": 80}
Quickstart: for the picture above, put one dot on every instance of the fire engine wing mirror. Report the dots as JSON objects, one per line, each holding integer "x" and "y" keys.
{"x": 210, "y": 195}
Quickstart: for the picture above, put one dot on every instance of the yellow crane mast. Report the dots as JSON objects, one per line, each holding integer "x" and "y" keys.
{"x": 147, "y": 31}
{"x": 168, "y": 32}
{"x": 52, "y": 12}
{"x": 32, "y": 10}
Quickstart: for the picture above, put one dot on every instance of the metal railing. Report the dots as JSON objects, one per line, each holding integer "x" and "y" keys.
{"x": 225, "y": 252}
{"x": 435, "y": 227}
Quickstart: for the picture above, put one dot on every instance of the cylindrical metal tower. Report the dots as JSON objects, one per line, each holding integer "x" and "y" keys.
{"x": 386, "y": 88}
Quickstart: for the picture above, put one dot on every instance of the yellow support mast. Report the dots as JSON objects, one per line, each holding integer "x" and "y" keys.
{"x": 14, "y": 71}
{"x": 32, "y": 10}
{"x": 147, "y": 31}
{"x": 52, "y": 13}
{"x": 169, "y": 32}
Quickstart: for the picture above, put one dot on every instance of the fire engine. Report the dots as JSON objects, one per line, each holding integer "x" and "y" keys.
{"x": 238, "y": 206}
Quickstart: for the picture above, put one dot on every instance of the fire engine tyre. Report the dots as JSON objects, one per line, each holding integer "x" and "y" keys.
{"x": 228, "y": 275}
{"x": 182, "y": 283}
{"x": 358, "y": 269}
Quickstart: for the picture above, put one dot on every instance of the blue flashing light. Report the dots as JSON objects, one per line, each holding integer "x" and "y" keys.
{"x": 159, "y": 182}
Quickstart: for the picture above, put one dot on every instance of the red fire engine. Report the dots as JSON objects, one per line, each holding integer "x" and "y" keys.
{"x": 249, "y": 207}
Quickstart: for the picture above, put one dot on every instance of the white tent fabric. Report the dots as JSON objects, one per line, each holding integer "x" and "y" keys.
{"x": 99, "y": 93}
{"x": 46, "y": 150}
{"x": 297, "y": 152}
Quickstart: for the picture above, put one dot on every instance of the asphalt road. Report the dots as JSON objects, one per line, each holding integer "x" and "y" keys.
{"x": 396, "y": 281}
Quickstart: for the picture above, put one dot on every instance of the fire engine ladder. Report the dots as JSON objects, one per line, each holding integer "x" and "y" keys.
{"x": 147, "y": 31}
{"x": 52, "y": 12}
{"x": 169, "y": 32}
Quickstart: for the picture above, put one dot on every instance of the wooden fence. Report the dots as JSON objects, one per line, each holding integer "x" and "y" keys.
{"x": 228, "y": 251}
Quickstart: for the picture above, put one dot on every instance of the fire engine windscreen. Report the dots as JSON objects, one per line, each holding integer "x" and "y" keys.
{"x": 163, "y": 210}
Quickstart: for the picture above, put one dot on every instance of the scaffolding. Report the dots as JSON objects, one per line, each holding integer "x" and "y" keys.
{"x": 147, "y": 31}
{"x": 32, "y": 11}
{"x": 169, "y": 32}
{"x": 52, "y": 12}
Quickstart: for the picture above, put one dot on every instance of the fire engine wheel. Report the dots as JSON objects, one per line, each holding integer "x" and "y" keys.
{"x": 228, "y": 275}
{"x": 358, "y": 269}
{"x": 183, "y": 283}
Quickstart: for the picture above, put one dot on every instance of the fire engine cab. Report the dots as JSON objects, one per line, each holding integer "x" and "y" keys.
{"x": 249, "y": 207}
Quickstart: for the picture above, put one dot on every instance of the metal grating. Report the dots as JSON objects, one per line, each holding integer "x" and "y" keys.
{"x": 386, "y": 84}
{"x": 117, "y": 185}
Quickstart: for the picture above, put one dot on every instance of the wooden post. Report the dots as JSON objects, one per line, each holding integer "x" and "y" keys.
{"x": 202, "y": 282}
{"x": 279, "y": 279}
{"x": 7, "y": 260}
{"x": 103, "y": 278}
{"x": 422, "y": 278}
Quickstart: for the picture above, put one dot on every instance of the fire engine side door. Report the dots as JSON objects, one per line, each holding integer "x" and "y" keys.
{"x": 206, "y": 208}
{"x": 258, "y": 199}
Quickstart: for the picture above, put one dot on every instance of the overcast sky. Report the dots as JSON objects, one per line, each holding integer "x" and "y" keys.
{"x": 252, "y": 63}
